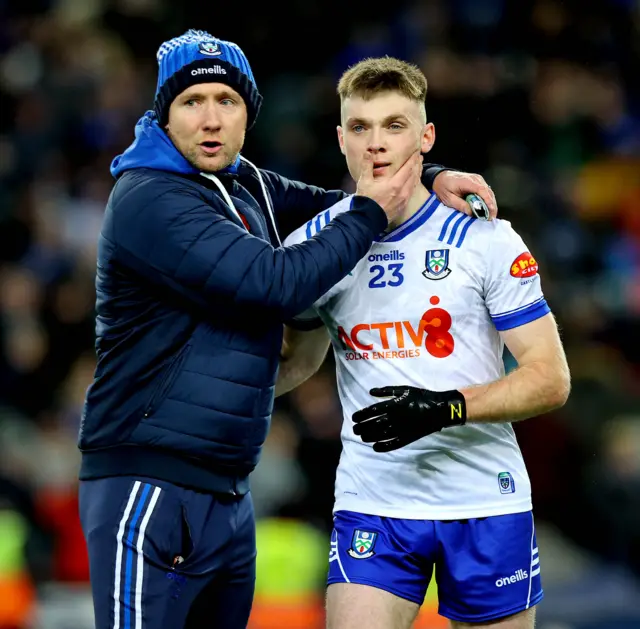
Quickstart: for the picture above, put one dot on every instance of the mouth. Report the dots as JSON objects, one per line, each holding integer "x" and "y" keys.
{"x": 210, "y": 147}
{"x": 379, "y": 167}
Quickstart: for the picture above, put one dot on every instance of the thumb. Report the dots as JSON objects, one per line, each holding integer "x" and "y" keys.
{"x": 387, "y": 391}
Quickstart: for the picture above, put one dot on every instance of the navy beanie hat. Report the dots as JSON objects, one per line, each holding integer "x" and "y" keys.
{"x": 198, "y": 57}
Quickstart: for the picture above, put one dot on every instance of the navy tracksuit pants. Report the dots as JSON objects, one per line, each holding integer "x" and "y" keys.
{"x": 165, "y": 557}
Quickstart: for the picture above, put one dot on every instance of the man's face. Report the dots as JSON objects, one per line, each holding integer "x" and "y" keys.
{"x": 207, "y": 124}
{"x": 390, "y": 126}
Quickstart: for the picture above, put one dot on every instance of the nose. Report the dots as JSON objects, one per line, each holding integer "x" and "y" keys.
{"x": 211, "y": 120}
{"x": 376, "y": 143}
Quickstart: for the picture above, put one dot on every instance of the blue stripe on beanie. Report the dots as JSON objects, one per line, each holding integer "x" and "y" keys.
{"x": 198, "y": 57}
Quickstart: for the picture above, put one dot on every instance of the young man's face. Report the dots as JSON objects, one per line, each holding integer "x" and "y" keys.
{"x": 207, "y": 124}
{"x": 390, "y": 126}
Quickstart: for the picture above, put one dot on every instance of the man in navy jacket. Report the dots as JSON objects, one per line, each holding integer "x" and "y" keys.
{"x": 193, "y": 287}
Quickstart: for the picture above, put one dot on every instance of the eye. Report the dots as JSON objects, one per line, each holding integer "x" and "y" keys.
{"x": 357, "y": 128}
{"x": 191, "y": 102}
{"x": 396, "y": 126}
{"x": 227, "y": 101}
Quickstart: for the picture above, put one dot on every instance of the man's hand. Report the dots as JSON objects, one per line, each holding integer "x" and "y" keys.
{"x": 452, "y": 187}
{"x": 391, "y": 193}
{"x": 411, "y": 414}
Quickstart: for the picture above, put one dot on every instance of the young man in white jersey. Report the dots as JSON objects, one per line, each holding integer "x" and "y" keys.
{"x": 432, "y": 476}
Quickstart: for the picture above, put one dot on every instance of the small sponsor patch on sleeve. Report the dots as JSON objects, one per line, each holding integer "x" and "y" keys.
{"x": 524, "y": 265}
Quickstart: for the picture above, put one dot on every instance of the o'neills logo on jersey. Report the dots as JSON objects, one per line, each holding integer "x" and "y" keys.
{"x": 400, "y": 339}
{"x": 386, "y": 257}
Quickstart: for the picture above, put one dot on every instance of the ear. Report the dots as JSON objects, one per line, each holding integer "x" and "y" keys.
{"x": 340, "y": 139}
{"x": 428, "y": 137}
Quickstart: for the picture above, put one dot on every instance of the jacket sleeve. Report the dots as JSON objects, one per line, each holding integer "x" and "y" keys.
{"x": 305, "y": 201}
{"x": 177, "y": 240}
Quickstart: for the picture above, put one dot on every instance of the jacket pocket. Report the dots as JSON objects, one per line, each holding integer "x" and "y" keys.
{"x": 167, "y": 380}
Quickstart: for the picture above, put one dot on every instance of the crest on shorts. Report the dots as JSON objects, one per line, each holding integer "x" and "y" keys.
{"x": 436, "y": 264}
{"x": 362, "y": 544}
{"x": 209, "y": 48}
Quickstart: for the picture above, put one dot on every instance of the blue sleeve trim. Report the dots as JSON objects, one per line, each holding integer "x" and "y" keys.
{"x": 315, "y": 225}
{"x": 443, "y": 232}
{"x": 452, "y": 235}
{"x": 518, "y": 309}
{"x": 526, "y": 315}
{"x": 465, "y": 229}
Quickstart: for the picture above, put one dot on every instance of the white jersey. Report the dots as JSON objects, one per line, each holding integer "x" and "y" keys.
{"x": 424, "y": 308}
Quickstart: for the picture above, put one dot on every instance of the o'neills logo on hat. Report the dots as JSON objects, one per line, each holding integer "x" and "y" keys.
{"x": 209, "y": 70}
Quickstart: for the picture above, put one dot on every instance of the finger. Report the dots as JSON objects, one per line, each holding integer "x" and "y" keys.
{"x": 372, "y": 411}
{"x": 370, "y": 436}
{"x": 477, "y": 185}
{"x": 376, "y": 437}
{"x": 412, "y": 179}
{"x": 413, "y": 159}
{"x": 456, "y": 203}
{"x": 486, "y": 194}
{"x": 390, "y": 444}
{"x": 478, "y": 207}
{"x": 492, "y": 204}
{"x": 366, "y": 167}
{"x": 411, "y": 168}
{"x": 375, "y": 429}
{"x": 387, "y": 391}
{"x": 416, "y": 174}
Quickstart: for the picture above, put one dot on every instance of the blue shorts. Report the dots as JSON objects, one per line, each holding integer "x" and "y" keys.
{"x": 485, "y": 568}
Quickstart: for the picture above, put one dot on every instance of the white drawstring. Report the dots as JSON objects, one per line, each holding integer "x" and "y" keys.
{"x": 227, "y": 198}
{"x": 266, "y": 198}
{"x": 225, "y": 195}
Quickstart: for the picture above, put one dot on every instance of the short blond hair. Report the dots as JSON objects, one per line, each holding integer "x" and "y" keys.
{"x": 373, "y": 76}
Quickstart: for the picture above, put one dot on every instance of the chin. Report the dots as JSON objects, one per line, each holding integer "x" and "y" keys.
{"x": 213, "y": 164}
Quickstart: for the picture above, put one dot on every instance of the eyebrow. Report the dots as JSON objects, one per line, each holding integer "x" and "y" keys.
{"x": 223, "y": 93}
{"x": 357, "y": 120}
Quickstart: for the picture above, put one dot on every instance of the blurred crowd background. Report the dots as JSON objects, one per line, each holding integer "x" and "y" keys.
{"x": 541, "y": 97}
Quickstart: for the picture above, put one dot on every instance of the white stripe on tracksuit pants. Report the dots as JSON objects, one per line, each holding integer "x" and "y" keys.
{"x": 129, "y": 566}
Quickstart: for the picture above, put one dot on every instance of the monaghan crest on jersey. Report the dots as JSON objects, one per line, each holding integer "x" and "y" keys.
{"x": 436, "y": 264}
{"x": 362, "y": 544}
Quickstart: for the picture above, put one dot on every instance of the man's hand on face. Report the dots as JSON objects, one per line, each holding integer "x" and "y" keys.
{"x": 392, "y": 194}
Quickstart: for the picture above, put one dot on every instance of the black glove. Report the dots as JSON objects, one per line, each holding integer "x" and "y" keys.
{"x": 411, "y": 414}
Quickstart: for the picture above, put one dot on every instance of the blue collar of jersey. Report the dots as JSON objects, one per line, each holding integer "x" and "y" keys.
{"x": 411, "y": 224}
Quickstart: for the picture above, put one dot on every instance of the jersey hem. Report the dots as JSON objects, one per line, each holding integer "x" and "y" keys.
{"x": 434, "y": 514}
